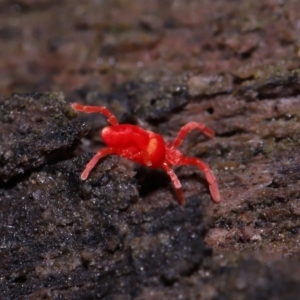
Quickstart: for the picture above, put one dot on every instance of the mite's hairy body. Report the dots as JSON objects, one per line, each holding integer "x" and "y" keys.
{"x": 146, "y": 147}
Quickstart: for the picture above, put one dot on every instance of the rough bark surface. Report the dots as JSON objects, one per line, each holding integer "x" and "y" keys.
{"x": 121, "y": 233}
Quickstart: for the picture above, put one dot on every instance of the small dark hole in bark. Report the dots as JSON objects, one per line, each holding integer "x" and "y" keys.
{"x": 210, "y": 110}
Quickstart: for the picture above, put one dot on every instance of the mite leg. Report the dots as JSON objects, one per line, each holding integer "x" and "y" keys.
{"x": 187, "y": 128}
{"x": 212, "y": 183}
{"x": 99, "y": 109}
{"x": 175, "y": 181}
{"x": 94, "y": 160}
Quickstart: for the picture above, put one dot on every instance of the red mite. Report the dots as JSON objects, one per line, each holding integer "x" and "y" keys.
{"x": 148, "y": 148}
